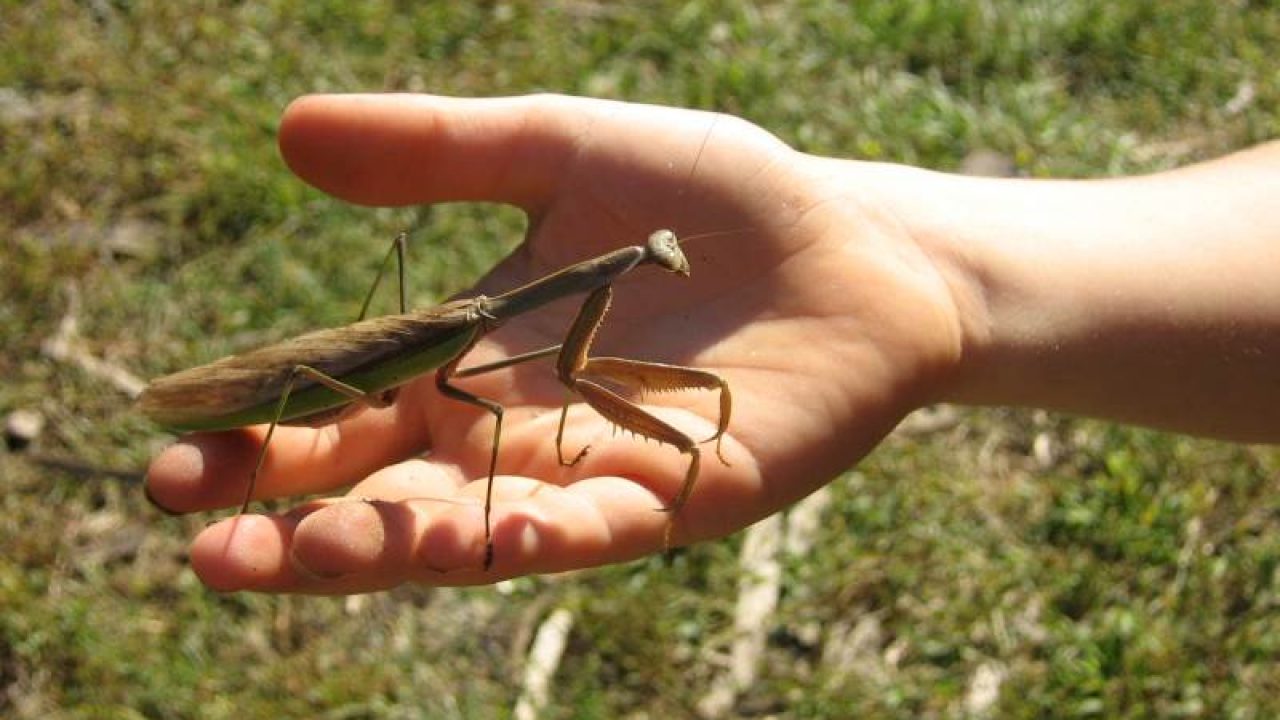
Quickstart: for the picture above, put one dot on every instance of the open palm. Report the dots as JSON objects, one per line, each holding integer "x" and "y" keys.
{"x": 826, "y": 320}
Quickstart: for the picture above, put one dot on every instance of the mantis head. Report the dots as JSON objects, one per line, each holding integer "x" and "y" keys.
{"x": 664, "y": 251}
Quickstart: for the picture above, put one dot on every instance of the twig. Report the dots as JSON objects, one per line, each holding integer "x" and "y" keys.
{"x": 758, "y": 590}
{"x": 76, "y": 466}
{"x": 984, "y": 689}
{"x": 544, "y": 658}
{"x": 804, "y": 521}
{"x": 761, "y": 579}
{"x": 928, "y": 421}
{"x": 64, "y": 346}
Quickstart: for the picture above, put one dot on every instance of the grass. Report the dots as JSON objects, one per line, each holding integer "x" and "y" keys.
{"x": 1101, "y": 571}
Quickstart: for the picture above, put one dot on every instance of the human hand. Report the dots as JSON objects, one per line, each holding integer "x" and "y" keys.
{"x": 807, "y": 295}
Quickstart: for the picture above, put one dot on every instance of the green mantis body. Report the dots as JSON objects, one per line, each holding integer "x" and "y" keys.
{"x": 316, "y": 378}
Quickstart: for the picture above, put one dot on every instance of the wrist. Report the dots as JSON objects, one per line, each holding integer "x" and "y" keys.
{"x": 1148, "y": 300}
{"x": 923, "y": 292}
{"x": 929, "y": 215}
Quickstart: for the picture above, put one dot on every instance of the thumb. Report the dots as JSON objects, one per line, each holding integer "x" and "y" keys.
{"x": 410, "y": 149}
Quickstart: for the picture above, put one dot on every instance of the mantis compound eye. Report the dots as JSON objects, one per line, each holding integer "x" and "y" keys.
{"x": 664, "y": 251}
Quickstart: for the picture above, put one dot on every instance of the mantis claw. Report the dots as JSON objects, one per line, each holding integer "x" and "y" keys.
{"x": 576, "y": 458}
{"x": 719, "y": 437}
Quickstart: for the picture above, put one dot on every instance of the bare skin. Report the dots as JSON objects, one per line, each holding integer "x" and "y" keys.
{"x": 845, "y": 295}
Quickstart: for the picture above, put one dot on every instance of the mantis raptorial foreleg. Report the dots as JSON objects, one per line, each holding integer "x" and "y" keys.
{"x": 661, "y": 377}
{"x": 626, "y": 414}
{"x": 578, "y": 372}
{"x": 653, "y": 377}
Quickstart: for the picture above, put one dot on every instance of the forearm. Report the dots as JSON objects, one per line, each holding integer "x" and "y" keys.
{"x": 1153, "y": 300}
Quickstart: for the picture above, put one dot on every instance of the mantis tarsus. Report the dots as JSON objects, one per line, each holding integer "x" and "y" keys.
{"x": 317, "y": 378}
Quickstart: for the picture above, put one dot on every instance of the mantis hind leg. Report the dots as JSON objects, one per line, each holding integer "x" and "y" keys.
{"x": 376, "y": 400}
{"x": 396, "y": 250}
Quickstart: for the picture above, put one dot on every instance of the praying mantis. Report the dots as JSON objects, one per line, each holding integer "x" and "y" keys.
{"x": 321, "y": 377}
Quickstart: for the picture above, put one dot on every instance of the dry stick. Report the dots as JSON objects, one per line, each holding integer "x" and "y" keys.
{"x": 544, "y": 658}
{"x": 759, "y": 588}
{"x": 64, "y": 346}
{"x": 984, "y": 689}
{"x": 928, "y": 421}
{"x": 76, "y": 466}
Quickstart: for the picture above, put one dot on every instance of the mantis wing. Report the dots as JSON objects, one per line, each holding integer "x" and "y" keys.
{"x": 372, "y": 355}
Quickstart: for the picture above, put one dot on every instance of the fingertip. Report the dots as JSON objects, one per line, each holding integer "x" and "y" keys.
{"x": 180, "y": 479}
{"x": 173, "y": 477}
{"x": 246, "y": 552}
{"x": 345, "y": 145}
{"x": 355, "y": 538}
{"x": 553, "y": 530}
{"x": 455, "y": 550}
{"x": 297, "y": 124}
{"x": 151, "y": 498}
{"x": 452, "y": 543}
